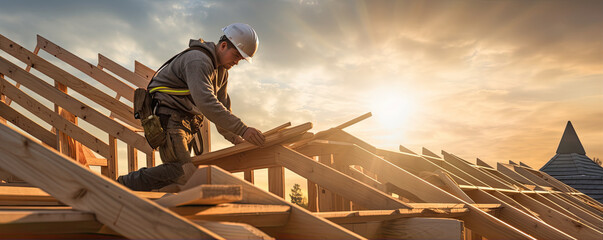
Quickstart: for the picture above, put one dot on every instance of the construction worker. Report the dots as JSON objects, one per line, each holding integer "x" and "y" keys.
{"x": 189, "y": 86}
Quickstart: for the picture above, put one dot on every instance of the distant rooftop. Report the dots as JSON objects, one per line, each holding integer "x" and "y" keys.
{"x": 571, "y": 166}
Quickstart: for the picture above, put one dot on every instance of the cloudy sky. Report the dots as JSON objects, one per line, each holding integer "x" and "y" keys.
{"x": 496, "y": 80}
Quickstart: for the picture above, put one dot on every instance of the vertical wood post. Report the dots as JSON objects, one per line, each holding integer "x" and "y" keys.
{"x": 2, "y": 99}
{"x": 132, "y": 159}
{"x": 326, "y": 198}
{"x": 249, "y": 176}
{"x": 206, "y": 135}
{"x": 312, "y": 197}
{"x": 276, "y": 181}
{"x": 112, "y": 160}
{"x": 151, "y": 159}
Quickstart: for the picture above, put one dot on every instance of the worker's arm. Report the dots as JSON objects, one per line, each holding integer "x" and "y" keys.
{"x": 197, "y": 76}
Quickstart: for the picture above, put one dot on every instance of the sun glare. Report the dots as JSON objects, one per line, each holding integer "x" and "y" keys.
{"x": 390, "y": 109}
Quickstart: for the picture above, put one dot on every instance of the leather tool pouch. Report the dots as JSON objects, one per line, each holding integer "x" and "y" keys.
{"x": 143, "y": 110}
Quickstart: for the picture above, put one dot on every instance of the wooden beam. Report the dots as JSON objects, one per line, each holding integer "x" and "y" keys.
{"x": 43, "y": 216}
{"x": 477, "y": 219}
{"x": 249, "y": 176}
{"x": 577, "y": 214}
{"x": 233, "y": 230}
{"x": 124, "y": 112}
{"x": 276, "y": 129}
{"x": 94, "y": 72}
{"x": 416, "y": 164}
{"x": 453, "y": 187}
{"x": 74, "y": 106}
{"x": 246, "y": 146}
{"x": 464, "y": 166}
{"x": 27, "y": 125}
{"x": 276, "y": 181}
{"x": 482, "y": 163}
{"x": 518, "y": 219}
{"x": 112, "y": 165}
{"x": 122, "y": 72}
{"x": 422, "y": 228}
{"x": 581, "y": 212}
{"x": 143, "y": 71}
{"x": 53, "y": 118}
{"x": 113, "y": 204}
{"x": 354, "y": 121}
{"x": 202, "y": 195}
{"x": 336, "y": 181}
{"x": 564, "y": 223}
{"x": 257, "y": 215}
{"x": 301, "y": 224}
{"x": 132, "y": 159}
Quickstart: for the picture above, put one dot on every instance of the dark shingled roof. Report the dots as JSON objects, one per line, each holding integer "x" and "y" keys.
{"x": 571, "y": 166}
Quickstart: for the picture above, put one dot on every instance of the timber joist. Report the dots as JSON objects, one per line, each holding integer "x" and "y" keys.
{"x": 355, "y": 190}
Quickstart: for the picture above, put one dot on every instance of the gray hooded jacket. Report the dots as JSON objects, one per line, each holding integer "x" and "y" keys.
{"x": 196, "y": 71}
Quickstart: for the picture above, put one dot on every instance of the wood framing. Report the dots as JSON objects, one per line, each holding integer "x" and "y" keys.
{"x": 69, "y": 182}
{"x": 301, "y": 224}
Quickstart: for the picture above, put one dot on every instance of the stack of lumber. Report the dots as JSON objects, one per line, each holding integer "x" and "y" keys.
{"x": 355, "y": 190}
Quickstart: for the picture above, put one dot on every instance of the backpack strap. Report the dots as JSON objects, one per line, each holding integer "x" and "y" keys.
{"x": 179, "y": 91}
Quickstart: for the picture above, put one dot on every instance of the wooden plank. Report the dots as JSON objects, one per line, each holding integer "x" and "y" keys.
{"x": 360, "y": 176}
{"x": 112, "y": 165}
{"x": 312, "y": 196}
{"x": 276, "y": 181}
{"x": 564, "y": 223}
{"x": 27, "y": 125}
{"x": 406, "y": 150}
{"x": 344, "y": 217}
{"x": 233, "y": 230}
{"x": 132, "y": 159}
{"x": 33, "y": 194}
{"x": 507, "y": 169}
{"x": 249, "y": 176}
{"x": 422, "y": 228}
{"x": 354, "y": 121}
{"x": 113, "y": 204}
{"x": 479, "y": 162}
{"x": 518, "y": 219}
{"x": 301, "y": 224}
{"x": 202, "y": 195}
{"x": 581, "y": 212}
{"x": 257, "y": 215}
{"x": 94, "y": 72}
{"x": 583, "y": 217}
{"x": 469, "y": 169}
{"x": 143, "y": 71}
{"x": 124, "y": 112}
{"x": 416, "y": 164}
{"x": 453, "y": 187}
{"x": 276, "y": 129}
{"x": 74, "y": 106}
{"x": 53, "y": 118}
{"x": 239, "y": 148}
{"x": 43, "y": 216}
{"x": 336, "y": 181}
{"x": 119, "y": 70}
{"x": 531, "y": 176}
{"x": 477, "y": 219}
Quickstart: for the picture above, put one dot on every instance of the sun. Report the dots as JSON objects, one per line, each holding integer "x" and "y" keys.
{"x": 391, "y": 109}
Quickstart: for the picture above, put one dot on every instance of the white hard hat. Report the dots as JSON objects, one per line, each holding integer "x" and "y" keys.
{"x": 244, "y": 38}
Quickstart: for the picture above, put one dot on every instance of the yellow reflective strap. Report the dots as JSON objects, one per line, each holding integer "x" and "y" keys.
{"x": 171, "y": 91}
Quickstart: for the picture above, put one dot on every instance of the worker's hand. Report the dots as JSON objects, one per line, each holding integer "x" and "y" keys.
{"x": 238, "y": 140}
{"x": 254, "y": 136}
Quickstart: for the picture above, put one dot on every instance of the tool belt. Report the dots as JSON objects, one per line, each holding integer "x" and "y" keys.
{"x": 144, "y": 110}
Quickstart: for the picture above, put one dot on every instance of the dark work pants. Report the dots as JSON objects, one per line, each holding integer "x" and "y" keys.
{"x": 174, "y": 153}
